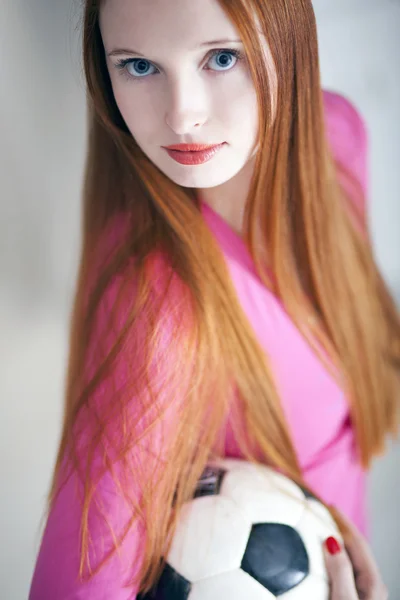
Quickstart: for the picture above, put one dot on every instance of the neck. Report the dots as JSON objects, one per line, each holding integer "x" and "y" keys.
{"x": 229, "y": 198}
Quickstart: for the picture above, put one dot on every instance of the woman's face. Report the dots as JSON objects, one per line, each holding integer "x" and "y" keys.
{"x": 176, "y": 86}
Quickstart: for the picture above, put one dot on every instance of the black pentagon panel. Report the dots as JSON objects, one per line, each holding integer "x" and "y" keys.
{"x": 171, "y": 586}
{"x": 210, "y": 482}
{"x": 308, "y": 494}
{"x": 276, "y": 557}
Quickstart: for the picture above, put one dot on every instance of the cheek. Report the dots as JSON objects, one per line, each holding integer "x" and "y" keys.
{"x": 138, "y": 108}
{"x": 235, "y": 97}
{"x": 240, "y": 114}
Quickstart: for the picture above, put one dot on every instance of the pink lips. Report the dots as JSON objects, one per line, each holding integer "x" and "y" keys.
{"x": 193, "y": 154}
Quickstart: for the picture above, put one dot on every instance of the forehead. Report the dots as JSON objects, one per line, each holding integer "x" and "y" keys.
{"x": 164, "y": 24}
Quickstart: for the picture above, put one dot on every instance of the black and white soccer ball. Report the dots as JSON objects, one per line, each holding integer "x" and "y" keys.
{"x": 249, "y": 534}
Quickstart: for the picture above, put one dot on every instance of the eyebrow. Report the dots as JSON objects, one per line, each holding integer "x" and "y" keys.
{"x": 119, "y": 51}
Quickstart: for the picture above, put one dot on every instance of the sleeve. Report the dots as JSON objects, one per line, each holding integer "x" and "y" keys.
{"x": 55, "y": 574}
{"x": 348, "y": 140}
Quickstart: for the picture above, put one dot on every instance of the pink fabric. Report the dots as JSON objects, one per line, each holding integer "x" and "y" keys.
{"x": 316, "y": 410}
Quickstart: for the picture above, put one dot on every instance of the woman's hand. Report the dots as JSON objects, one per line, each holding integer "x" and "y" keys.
{"x": 352, "y": 570}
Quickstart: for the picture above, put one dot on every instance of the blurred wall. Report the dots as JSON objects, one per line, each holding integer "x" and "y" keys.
{"x": 42, "y": 149}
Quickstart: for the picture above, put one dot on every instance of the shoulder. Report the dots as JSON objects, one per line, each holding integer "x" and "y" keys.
{"x": 345, "y": 125}
{"x": 158, "y": 266}
{"x": 347, "y": 136}
{"x": 155, "y": 292}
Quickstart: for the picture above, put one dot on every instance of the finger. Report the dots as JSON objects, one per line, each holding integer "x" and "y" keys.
{"x": 340, "y": 572}
{"x": 360, "y": 554}
{"x": 368, "y": 578}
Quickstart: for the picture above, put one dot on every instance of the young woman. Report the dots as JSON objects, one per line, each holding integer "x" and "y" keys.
{"x": 228, "y": 302}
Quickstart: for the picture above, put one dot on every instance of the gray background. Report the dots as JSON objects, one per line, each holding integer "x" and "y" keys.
{"x": 42, "y": 146}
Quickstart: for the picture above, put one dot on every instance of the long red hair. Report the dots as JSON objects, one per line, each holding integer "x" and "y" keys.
{"x": 323, "y": 271}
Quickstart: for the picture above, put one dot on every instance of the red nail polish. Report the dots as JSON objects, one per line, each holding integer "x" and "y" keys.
{"x": 332, "y": 545}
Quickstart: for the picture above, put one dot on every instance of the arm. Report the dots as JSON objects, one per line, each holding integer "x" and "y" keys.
{"x": 56, "y": 571}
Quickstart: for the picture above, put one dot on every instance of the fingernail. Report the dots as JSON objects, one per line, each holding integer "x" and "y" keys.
{"x": 332, "y": 545}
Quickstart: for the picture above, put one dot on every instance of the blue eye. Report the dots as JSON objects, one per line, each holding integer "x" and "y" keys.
{"x": 141, "y": 65}
{"x": 224, "y": 53}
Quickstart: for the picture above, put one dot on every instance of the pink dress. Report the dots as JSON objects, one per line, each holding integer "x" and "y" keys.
{"x": 316, "y": 409}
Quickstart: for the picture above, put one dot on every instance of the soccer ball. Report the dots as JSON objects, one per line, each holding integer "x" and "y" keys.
{"x": 249, "y": 533}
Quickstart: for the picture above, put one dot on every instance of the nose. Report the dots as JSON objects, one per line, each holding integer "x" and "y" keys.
{"x": 187, "y": 106}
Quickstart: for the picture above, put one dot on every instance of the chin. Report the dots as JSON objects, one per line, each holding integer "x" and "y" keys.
{"x": 204, "y": 181}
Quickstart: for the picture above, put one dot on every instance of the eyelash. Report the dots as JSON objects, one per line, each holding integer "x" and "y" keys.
{"x": 121, "y": 64}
